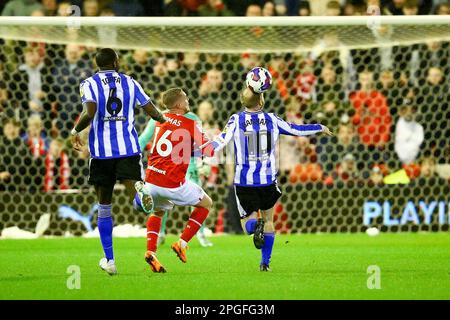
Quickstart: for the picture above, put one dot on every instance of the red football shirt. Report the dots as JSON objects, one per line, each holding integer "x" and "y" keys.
{"x": 172, "y": 147}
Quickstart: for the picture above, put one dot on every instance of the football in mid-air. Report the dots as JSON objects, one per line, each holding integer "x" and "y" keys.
{"x": 258, "y": 79}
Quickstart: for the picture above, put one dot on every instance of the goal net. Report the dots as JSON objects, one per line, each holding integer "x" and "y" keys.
{"x": 380, "y": 83}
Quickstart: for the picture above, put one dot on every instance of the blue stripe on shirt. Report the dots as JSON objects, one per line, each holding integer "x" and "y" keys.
{"x": 271, "y": 148}
{"x": 91, "y": 131}
{"x": 112, "y": 124}
{"x": 306, "y": 127}
{"x": 256, "y": 129}
{"x": 101, "y": 114}
{"x": 126, "y": 109}
{"x": 244, "y": 149}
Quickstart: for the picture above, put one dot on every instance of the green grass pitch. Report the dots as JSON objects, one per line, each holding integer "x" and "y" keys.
{"x": 326, "y": 266}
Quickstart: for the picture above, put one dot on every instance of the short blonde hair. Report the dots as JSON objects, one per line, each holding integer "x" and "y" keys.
{"x": 249, "y": 99}
{"x": 171, "y": 96}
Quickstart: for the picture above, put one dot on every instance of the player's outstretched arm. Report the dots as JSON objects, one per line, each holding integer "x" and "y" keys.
{"x": 293, "y": 129}
{"x": 153, "y": 112}
{"x": 222, "y": 139}
{"x": 83, "y": 122}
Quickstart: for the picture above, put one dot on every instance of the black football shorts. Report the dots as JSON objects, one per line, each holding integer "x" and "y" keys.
{"x": 251, "y": 199}
{"x": 106, "y": 172}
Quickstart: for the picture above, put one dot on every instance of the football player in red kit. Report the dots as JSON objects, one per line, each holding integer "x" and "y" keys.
{"x": 168, "y": 161}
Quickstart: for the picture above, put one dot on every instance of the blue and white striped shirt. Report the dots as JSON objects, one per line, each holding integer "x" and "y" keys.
{"x": 255, "y": 136}
{"x": 112, "y": 133}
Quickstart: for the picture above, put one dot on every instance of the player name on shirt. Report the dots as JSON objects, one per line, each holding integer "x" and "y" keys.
{"x": 113, "y": 79}
{"x": 173, "y": 121}
{"x": 251, "y": 122}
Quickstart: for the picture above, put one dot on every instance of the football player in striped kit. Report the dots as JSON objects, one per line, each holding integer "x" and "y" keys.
{"x": 109, "y": 99}
{"x": 255, "y": 134}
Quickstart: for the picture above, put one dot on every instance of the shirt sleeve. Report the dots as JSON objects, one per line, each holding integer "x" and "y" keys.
{"x": 86, "y": 92}
{"x": 141, "y": 97}
{"x": 203, "y": 143}
{"x": 292, "y": 129}
{"x": 147, "y": 134}
{"x": 226, "y": 135}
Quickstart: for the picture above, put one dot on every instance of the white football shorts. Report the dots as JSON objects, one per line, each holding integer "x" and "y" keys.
{"x": 189, "y": 194}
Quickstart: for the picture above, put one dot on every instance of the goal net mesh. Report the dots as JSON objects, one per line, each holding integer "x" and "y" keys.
{"x": 380, "y": 85}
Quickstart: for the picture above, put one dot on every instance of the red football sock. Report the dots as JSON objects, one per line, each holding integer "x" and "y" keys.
{"x": 153, "y": 226}
{"x": 195, "y": 222}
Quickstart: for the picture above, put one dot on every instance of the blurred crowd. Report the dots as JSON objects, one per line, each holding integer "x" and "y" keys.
{"x": 388, "y": 107}
{"x": 92, "y": 8}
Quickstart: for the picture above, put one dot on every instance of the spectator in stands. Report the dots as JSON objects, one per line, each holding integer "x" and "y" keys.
{"x": 211, "y": 83}
{"x": 35, "y": 137}
{"x": 21, "y": 7}
{"x": 206, "y": 113}
{"x": 212, "y": 61}
{"x": 428, "y": 167}
{"x": 372, "y": 116}
{"x": 356, "y": 7}
{"x": 303, "y": 9}
{"x": 432, "y": 96}
{"x": 139, "y": 65}
{"x": 331, "y": 149}
{"x": 248, "y": 61}
{"x": 433, "y": 54}
{"x": 396, "y": 7}
{"x": 268, "y": 9}
{"x": 173, "y": 65}
{"x": 376, "y": 177}
{"x": 395, "y": 88}
{"x": 345, "y": 171}
{"x": 160, "y": 67}
{"x": 333, "y": 8}
{"x": 214, "y": 8}
{"x": 408, "y": 135}
{"x": 57, "y": 167}
{"x": 330, "y": 97}
{"x": 190, "y": 61}
{"x": 67, "y": 74}
{"x": 410, "y": 8}
{"x": 305, "y": 82}
{"x": 442, "y": 9}
{"x": 14, "y": 156}
{"x": 428, "y": 173}
{"x": 28, "y": 85}
{"x": 278, "y": 68}
{"x": 253, "y": 10}
{"x": 50, "y": 7}
{"x": 91, "y": 8}
{"x": 64, "y": 9}
{"x": 306, "y": 168}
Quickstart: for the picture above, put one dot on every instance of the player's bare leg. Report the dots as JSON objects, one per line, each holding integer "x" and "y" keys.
{"x": 269, "y": 238}
{"x": 105, "y": 227}
{"x": 153, "y": 228}
{"x": 138, "y": 196}
{"x": 196, "y": 220}
{"x": 254, "y": 224}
